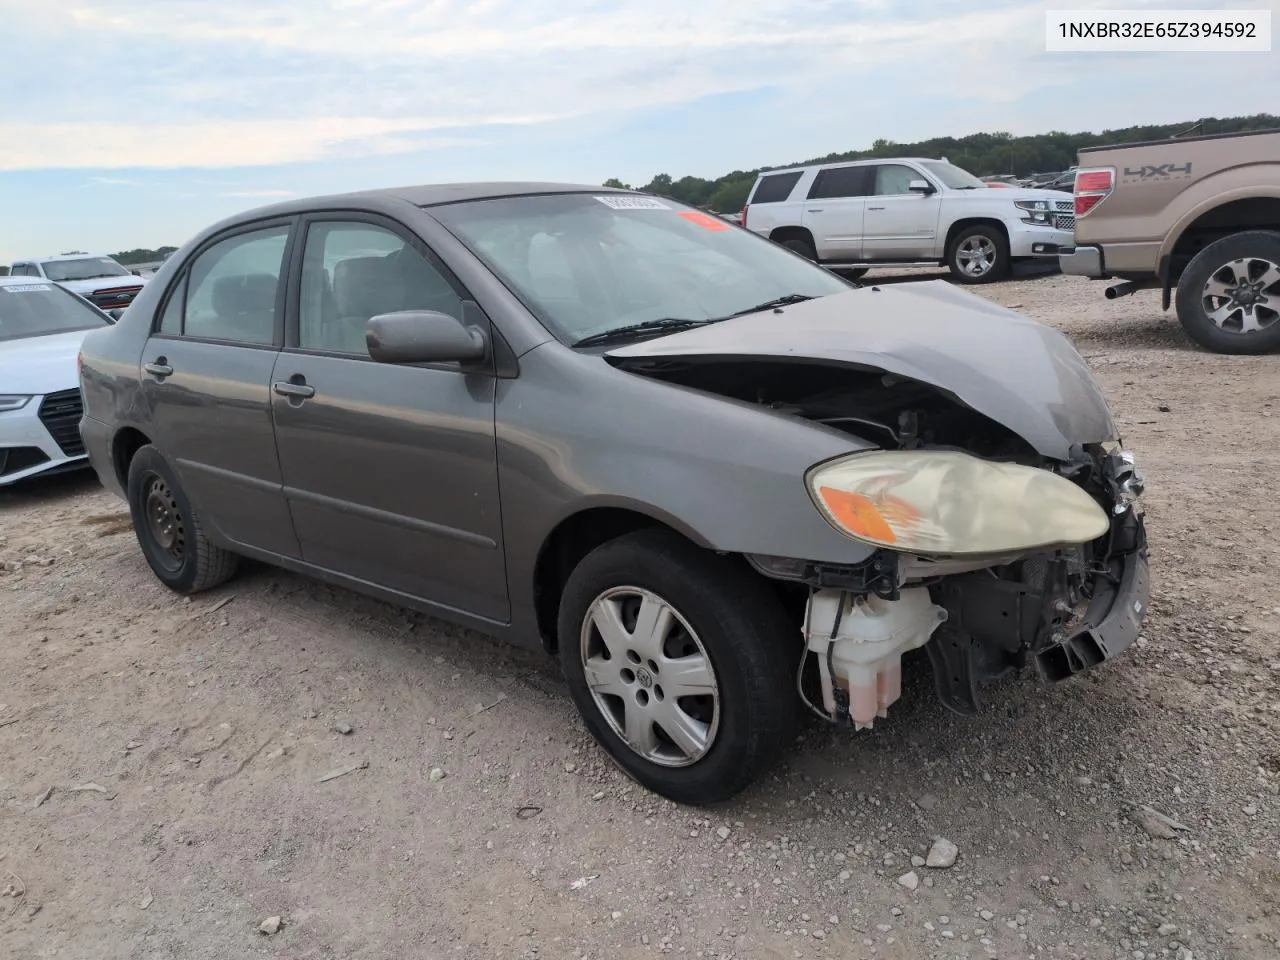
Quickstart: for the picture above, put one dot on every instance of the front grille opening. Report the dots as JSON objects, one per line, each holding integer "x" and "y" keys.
{"x": 60, "y": 413}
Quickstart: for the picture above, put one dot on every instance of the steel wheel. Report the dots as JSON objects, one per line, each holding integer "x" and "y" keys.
{"x": 1243, "y": 296}
{"x": 164, "y": 522}
{"x": 976, "y": 256}
{"x": 650, "y": 676}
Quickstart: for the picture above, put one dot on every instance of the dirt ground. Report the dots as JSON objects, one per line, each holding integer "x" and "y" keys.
{"x": 184, "y": 743}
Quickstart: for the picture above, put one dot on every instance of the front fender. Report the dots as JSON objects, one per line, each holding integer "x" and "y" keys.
{"x": 726, "y": 474}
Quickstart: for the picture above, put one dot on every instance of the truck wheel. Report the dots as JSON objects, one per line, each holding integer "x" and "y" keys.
{"x": 979, "y": 254}
{"x": 680, "y": 663}
{"x": 802, "y": 246}
{"x": 1229, "y": 294}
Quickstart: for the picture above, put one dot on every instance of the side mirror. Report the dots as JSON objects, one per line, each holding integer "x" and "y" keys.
{"x": 136, "y": 273}
{"x": 920, "y": 186}
{"x": 423, "y": 336}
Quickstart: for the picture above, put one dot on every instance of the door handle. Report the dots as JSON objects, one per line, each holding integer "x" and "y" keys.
{"x": 158, "y": 368}
{"x": 288, "y": 389}
{"x": 875, "y": 208}
{"x": 818, "y": 210}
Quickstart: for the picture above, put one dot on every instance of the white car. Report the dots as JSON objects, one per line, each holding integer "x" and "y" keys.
{"x": 96, "y": 277}
{"x": 908, "y": 212}
{"x": 41, "y": 327}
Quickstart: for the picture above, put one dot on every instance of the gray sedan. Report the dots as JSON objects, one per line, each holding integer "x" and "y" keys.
{"x": 722, "y": 484}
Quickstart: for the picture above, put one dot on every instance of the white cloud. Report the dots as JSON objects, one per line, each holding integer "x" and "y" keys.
{"x": 243, "y": 83}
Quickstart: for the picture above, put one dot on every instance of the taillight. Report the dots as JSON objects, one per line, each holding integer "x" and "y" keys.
{"x": 80, "y": 364}
{"x": 1092, "y": 187}
{"x": 745, "y": 207}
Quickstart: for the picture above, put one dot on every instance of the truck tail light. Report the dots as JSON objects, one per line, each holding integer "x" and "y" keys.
{"x": 745, "y": 207}
{"x": 1092, "y": 187}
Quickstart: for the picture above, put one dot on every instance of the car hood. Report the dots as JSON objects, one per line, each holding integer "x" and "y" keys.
{"x": 86, "y": 287}
{"x": 1036, "y": 193}
{"x": 1022, "y": 374}
{"x": 39, "y": 365}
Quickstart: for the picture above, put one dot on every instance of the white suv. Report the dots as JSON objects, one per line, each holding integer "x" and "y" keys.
{"x": 908, "y": 212}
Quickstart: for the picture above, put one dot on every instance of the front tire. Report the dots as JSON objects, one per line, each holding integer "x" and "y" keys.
{"x": 801, "y": 245}
{"x": 979, "y": 254}
{"x": 1229, "y": 294}
{"x": 680, "y": 664}
{"x": 168, "y": 528}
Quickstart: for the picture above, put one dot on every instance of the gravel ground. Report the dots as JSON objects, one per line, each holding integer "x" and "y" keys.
{"x": 161, "y": 759}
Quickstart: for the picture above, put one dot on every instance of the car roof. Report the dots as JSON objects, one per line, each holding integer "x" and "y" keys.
{"x": 433, "y": 194}
{"x": 848, "y": 163}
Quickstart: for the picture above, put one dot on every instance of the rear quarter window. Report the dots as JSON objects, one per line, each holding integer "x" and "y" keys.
{"x": 775, "y": 188}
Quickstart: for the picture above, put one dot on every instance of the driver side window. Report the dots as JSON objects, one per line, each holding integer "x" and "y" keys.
{"x": 893, "y": 180}
{"x": 353, "y": 271}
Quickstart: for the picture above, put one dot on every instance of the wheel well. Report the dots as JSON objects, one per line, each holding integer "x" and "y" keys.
{"x": 569, "y": 542}
{"x": 578, "y": 535}
{"x": 1251, "y": 213}
{"x": 959, "y": 225}
{"x": 791, "y": 233}
{"x": 127, "y": 442}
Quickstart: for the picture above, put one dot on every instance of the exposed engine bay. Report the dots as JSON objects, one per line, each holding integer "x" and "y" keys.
{"x": 976, "y": 617}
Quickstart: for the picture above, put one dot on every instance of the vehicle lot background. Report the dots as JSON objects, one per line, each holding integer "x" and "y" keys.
{"x": 207, "y": 724}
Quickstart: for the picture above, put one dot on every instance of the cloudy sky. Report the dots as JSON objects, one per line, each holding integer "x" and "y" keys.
{"x": 126, "y": 123}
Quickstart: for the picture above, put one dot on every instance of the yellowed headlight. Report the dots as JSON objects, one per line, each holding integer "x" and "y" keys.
{"x": 945, "y": 502}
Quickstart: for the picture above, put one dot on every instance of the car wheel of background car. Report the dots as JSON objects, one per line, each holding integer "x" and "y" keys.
{"x": 801, "y": 245}
{"x": 979, "y": 254}
{"x": 168, "y": 528}
{"x": 678, "y": 661}
{"x": 850, "y": 273}
{"x": 1229, "y": 294}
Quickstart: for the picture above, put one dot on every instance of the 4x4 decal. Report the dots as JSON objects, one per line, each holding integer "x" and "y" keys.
{"x": 1164, "y": 170}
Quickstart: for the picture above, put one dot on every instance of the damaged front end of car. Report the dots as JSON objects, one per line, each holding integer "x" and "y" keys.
{"x": 998, "y": 516}
{"x": 989, "y": 566}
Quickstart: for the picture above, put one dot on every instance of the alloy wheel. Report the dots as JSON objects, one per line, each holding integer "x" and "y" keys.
{"x": 976, "y": 256}
{"x": 1243, "y": 296}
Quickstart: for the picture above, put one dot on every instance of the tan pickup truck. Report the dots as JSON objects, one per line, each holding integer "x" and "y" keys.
{"x": 1199, "y": 215}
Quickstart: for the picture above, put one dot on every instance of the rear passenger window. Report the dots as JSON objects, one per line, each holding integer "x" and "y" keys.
{"x": 775, "y": 188}
{"x": 839, "y": 182}
{"x": 232, "y": 288}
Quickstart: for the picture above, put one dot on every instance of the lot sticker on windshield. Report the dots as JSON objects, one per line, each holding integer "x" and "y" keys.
{"x": 705, "y": 220}
{"x": 633, "y": 203}
{"x": 26, "y": 287}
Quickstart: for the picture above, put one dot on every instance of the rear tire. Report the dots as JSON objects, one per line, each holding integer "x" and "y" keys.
{"x": 979, "y": 254}
{"x": 168, "y": 528}
{"x": 800, "y": 245}
{"x": 1228, "y": 297}
{"x": 714, "y": 630}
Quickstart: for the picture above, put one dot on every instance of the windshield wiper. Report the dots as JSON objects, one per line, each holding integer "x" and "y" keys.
{"x": 662, "y": 324}
{"x": 789, "y": 299}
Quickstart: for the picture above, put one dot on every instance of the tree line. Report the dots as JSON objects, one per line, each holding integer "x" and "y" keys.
{"x": 982, "y": 154}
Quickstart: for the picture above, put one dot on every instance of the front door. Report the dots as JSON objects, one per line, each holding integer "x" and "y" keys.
{"x": 899, "y": 224}
{"x": 833, "y": 212}
{"x": 206, "y": 375}
{"x": 390, "y": 470}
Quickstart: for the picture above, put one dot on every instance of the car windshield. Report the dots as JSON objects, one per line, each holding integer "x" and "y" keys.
{"x": 38, "y": 309}
{"x": 90, "y": 268}
{"x": 952, "y": 177}
{"x": 586, "y": 264}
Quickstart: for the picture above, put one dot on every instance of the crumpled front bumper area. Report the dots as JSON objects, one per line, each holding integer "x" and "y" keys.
{"x": 1066, "y": 614}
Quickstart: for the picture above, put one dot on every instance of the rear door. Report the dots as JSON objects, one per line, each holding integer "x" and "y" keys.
{"x": 206, "y": 375}
{"x": 900, "y": 225}
{"x": 834, "y": 210}
{"x": 390, "y": 470}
